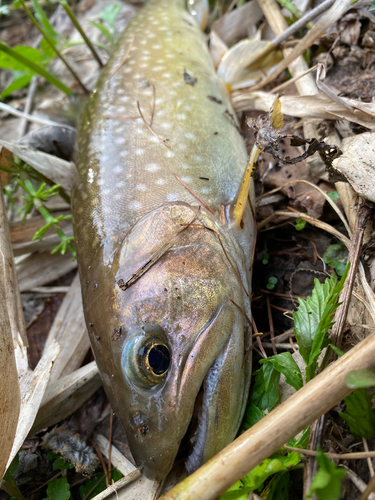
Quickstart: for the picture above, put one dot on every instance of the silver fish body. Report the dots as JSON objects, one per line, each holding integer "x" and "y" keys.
{"x": 159, "y": 111}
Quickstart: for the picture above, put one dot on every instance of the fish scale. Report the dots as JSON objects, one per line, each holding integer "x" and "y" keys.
{"x": 128, "y": 203}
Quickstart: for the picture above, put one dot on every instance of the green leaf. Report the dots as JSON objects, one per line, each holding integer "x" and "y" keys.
{"x": 334, "y": 195}
{"x": 58, "y": 489}
{"x": 358, "y": 379}
{"x": 44, "y": 21}
{"x": 360, "y": 416}
{"x": 278, "y": 488}
{"x": 266, "y": 258}
{"x": 314, "y": 318}
{"x": 327, "y": 481}
{"x": 61, "y": 464}
{"x": 300, "y": 224}
{"x": 272, "y": 280}
{"x": 336, "y": 350}
{"x": 336, "y": 256}
{"x": 18, "y": 83}
{"x": 86, "y": 487}
{"x": 303, "y": 441}
{"x": 109, "y": 14}
{"x": 32, "y": 66}
{"x": 104, "y": 31}
{"x": 265, "y": 393}
{"x": 252, "y": 415}
{"x": 285, "y": 364}
{"x": 8, "y": 62}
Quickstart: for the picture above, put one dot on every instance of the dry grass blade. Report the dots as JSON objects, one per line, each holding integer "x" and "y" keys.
{"x": 318, "y": 106}
{"x": 66, "y": 395}
{"x": 311, "y": 220}
{"x": 114, "y": 487}
{"x": 69, "y": 329}
{"x": 281, "y": 424}
{"x": 10, "y": 397}
{"x": 329, "y": 18}
{"x": 331, "y": 202}
{"x": 118, "y": 460}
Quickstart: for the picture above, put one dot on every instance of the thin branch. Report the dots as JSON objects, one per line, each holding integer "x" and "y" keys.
{"x": 194, "y": 194}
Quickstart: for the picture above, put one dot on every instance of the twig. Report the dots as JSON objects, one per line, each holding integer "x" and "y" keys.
{"x": 28, "y": 106}
{"x": 114, "y": 487}
{"x": 53, "y": 46}
{"x": 270, "y": 321}
{"x": 31, "y": 118}
{"x": 331, "y": 202}
{"x": 369, "y": 461}
{"x": 123, "y": 60}
{"x": 339, "y": 456}
{"x": 194, "y": 194}
{"x": 75, "y": 22}
{"x": 307, "y": 218}
{"x": 99, "y": 453}
{"x": 370, "y": 488}
{"x": 149, "y": 128}
{"x": 281, "y": 424}
{"x": 363, "y": 214}
{"x": 110, "y": 446}
{"x": 330, "y": 17}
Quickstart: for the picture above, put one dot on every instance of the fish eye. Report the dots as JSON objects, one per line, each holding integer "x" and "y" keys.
{"x": 157, "y": 359}
{"x": 147, "y": 358}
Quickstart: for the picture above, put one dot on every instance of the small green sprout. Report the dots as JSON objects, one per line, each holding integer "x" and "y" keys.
{"x": 300, "y": 224}
{"x": 272, "y": 280}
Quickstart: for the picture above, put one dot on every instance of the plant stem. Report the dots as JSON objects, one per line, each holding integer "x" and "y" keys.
{"x": 74, "y": 20}
{"x": 36, "y": 68}
{"x": 53, "y": 46}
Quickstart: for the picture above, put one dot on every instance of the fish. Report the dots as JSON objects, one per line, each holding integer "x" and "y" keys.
{"x": 164, "y": 269}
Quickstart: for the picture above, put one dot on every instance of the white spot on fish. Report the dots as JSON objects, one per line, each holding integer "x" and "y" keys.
{"x": 182, "y": 146}
{"x": 135, "y": 205}
{"x": 169, "y": 154}
{"x": 172, "y": 197}
{"x": 166, "y": 125}
{"x": 157, "y": 46}
{"x": 140, "y": 152}
{"x": 140, "y": 187}
{"x": 198, "y": 158}
{"x": 181, "y": 116}
{"x": 91, "y": 176}
{"x": 190, "y": 136}
{"x": 158, "y": 68}
{"x": 127, "y": 69}
{"x": 160, "y": 182}
{"x": 151, "y": 35}
{"x": 118, "y": 169}
{"x": 143, "y": 42}
{"x": 185, "y": 166}
{"x": 186, "y": 179}
{"x": 152, "y": 167}
{"x": 143, "y": 65}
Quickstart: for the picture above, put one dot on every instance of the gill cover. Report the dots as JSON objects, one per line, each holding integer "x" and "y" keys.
{"x": 180, "y": 333}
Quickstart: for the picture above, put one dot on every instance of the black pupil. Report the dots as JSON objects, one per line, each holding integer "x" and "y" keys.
{"x": 159, "y": 359}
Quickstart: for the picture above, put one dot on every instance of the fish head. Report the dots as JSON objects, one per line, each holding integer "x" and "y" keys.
{"x": 179, "y": 363}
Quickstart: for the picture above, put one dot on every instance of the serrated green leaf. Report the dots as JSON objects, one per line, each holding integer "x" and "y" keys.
{"x": 285, "y": 364}
{"x": 336, "y": 256}
{"x": 8, "y": 62}
{"x": 58, "y": 489}
{"x": 252, "y": 415}
{"x": 327, "y": 482}
{"x": 314, "y": 318}
{"x": 265, "y": 393}
{"x": 360, "y": 416}
{"x": 358, "y": 379}
{"x": 310, "y": 313}
{"x": 18, "y": 83}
